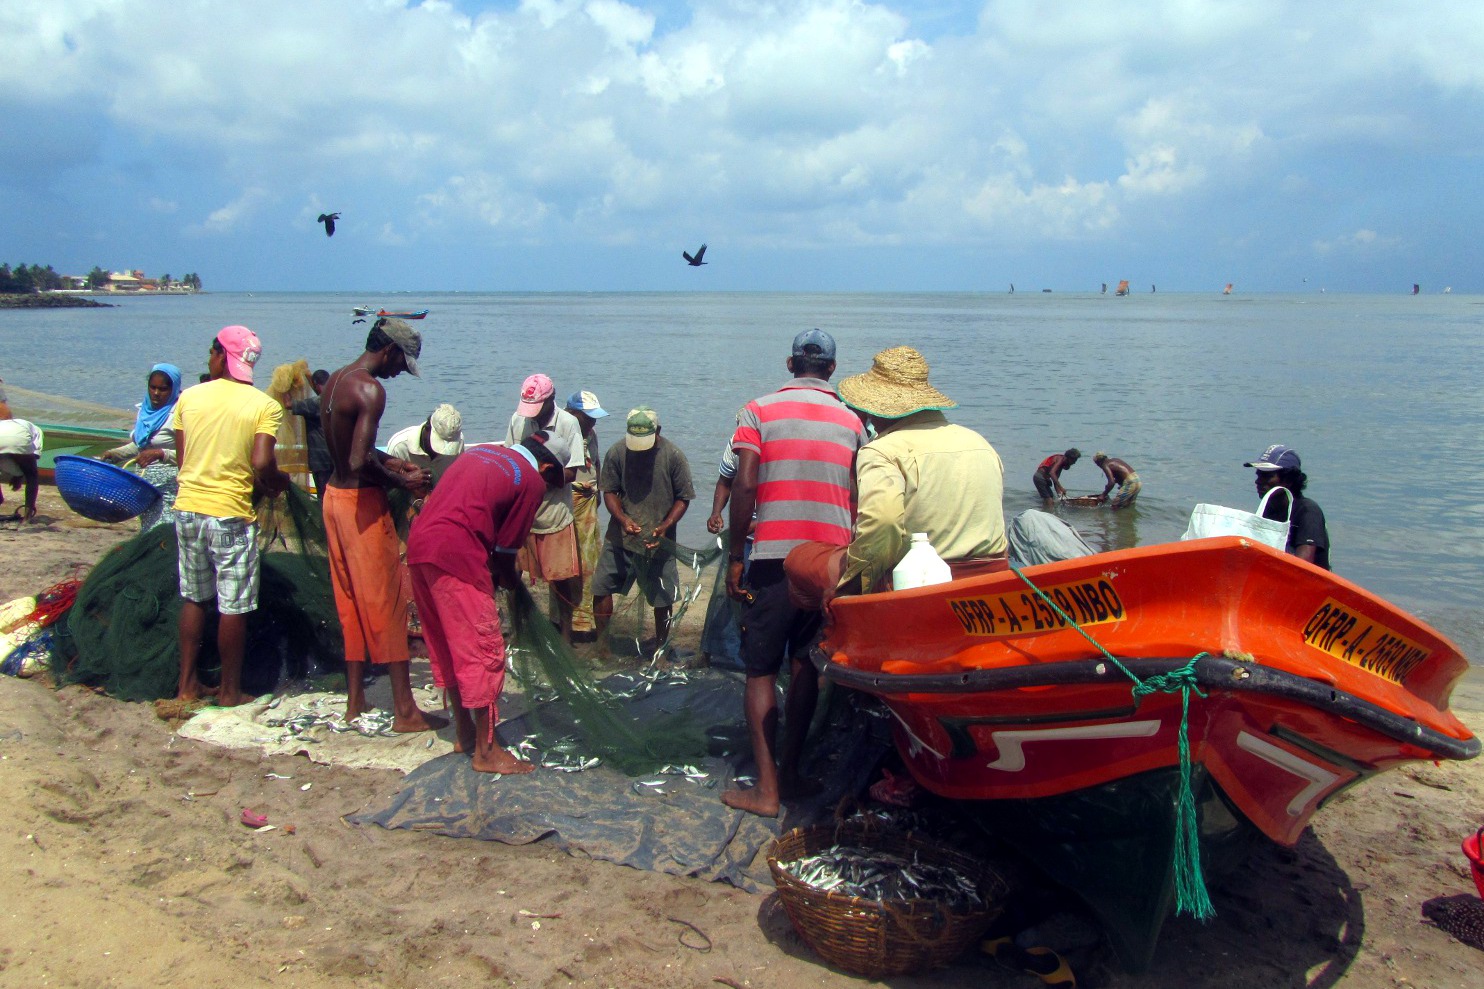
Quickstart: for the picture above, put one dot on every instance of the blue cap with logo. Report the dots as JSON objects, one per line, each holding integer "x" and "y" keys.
{"x": 822, "y": 343}
{"x": 1276, "y": 457}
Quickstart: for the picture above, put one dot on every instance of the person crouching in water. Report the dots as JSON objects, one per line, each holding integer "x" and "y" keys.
{"x": 462, "y": 546}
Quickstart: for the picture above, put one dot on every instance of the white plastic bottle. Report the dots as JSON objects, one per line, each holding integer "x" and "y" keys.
{"x": 921, "y": 566}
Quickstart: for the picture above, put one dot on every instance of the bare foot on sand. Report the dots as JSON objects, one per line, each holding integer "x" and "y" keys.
{"x": 233, "y": 700}
{"x": 752, "y": 801}
{"x": 502, "y": 762}
{"x": 418, "y": 721}
{"x": 195, "y": 691}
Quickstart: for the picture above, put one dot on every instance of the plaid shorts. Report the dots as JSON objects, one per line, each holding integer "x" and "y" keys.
{"x": 218, "y": 559}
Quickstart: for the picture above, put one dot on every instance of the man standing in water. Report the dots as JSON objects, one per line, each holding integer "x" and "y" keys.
{"x": 362, "y": 541}
{"x": 795, "y": 457}
{"x": 225, "y": 432}
{"x": 1048, "y": 475}
{"x": 1308, "y": 536}
{"x": 1121, "y": 476}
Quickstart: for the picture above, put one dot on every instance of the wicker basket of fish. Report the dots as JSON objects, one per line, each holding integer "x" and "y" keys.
{"x": 877, "y": 902}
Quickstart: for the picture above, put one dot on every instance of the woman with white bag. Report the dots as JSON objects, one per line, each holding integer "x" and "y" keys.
{"x": 1278, "y": 472}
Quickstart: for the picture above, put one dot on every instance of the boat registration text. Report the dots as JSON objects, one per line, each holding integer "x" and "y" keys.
{"x": 1025, "y": 613}
{"x": 1361, "y": 642}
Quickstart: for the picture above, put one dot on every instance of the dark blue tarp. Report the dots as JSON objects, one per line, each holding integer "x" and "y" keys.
{"x": 680, "y": 827}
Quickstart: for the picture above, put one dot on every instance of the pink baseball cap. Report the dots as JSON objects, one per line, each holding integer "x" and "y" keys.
{"x": 533, "y": 394}
{"x": 243, "y": 350}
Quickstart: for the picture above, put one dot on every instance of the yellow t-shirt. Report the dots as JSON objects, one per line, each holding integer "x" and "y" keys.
{"x": 220, "y": 420}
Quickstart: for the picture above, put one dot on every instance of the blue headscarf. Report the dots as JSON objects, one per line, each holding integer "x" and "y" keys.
{"x": 151, "y": 418}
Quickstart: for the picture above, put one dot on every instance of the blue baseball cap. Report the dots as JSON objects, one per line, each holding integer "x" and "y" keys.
{"x": 823, "y": 343}
{"x": 585, "y": 401}
{"x": 1276, "y": 457}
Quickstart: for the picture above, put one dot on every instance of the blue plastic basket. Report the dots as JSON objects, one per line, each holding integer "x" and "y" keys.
{"x": 102, "y": 492}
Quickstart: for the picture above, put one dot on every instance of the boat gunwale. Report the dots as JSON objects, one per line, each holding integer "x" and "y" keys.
{"x": 1212, "y": 672}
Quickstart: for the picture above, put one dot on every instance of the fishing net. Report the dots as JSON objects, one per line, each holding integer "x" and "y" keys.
{"x": 121, "y": 634}
{"x": 589, "y": 719}
{"x": 290, "y": 383}
{"x": 628, "y": 625}
{"x": 38, "y": 406}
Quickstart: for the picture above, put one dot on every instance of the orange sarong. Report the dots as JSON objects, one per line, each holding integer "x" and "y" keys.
{"x": 365, "y": 571}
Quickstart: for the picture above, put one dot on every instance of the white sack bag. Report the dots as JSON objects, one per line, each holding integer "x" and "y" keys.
{"x": 1217, "y": 520}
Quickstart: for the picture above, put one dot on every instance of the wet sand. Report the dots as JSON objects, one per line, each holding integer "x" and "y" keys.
{"x": 125, "y": 864}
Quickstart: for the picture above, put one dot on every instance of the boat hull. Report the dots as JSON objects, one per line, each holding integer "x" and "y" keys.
{"x": 1111, "y": 844}
{"x": 77, "y": 441}
{"x": 1303, "y": 684}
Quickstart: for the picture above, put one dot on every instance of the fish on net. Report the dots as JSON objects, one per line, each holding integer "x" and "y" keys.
{"x": 590, "y": 719}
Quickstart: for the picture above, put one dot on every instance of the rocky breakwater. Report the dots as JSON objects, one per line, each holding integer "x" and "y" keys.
{"x": 48, "y": 300}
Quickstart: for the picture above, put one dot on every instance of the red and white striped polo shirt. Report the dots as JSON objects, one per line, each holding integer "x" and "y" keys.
{"x": 805, "y": 439}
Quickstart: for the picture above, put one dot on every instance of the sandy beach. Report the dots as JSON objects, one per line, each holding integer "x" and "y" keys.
{"x": 125, "y": 864}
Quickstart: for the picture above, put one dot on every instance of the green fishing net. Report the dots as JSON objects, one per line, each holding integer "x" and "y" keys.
{"x": 590, "y": 718}
{"x": 121, "y": 634}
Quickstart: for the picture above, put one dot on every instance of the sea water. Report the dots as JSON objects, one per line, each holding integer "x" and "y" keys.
{"x": 1380, "y": 395}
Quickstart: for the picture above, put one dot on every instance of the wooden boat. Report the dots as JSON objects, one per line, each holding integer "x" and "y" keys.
{"x": 1122, "y": 288}
{"x": 78, "y": 441}
{"x": 380, "y": 313}
{"x": 1307, "y": 685}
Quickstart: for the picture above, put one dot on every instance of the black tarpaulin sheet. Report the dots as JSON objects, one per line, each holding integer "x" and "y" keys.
{"x": 679, "y": 826}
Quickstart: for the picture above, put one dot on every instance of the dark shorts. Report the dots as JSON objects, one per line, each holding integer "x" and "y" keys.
{"x": 618, "y": 571}
{"x": 772, "y": 628}
{"x": 1045, "y": 487}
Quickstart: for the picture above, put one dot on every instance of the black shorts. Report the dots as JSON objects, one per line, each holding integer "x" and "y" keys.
{"x": 772, "y": 628}
{"x": 1045, "y": 487}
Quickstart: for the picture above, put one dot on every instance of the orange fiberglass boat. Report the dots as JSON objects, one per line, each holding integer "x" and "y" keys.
{"x": 1306, "y": 684}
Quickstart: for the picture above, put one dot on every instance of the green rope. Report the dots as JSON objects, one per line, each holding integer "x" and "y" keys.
{"x": 1191, "y": 897}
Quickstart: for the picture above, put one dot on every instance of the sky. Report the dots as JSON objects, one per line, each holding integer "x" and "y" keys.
{"x": 815, "y": 145}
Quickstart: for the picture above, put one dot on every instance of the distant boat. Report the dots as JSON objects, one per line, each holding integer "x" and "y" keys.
{"x": 1045, "y": 290}
{"x": 1416, "y": 289}
{"x": 1227, "y": 290}
{"x": 1122, "y": 288}
{"x": 1448, "y": 290}
{"x": 382, "y": 313}
{"x": 1105, "y": 288}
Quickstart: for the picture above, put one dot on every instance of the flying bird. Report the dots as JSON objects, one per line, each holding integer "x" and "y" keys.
{"x": 328, "y": 219}
{"x": 695, "y": 262}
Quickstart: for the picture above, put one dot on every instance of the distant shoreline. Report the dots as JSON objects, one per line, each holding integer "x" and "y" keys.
{"x": 49, "y": 300}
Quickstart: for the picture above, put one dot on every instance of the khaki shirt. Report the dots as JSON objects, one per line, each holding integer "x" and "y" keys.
{"x": 925, "y": 474}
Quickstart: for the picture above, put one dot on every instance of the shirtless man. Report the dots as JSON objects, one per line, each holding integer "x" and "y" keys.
{"x": 1119, "y": 475}
{"x": 370, "y": 596}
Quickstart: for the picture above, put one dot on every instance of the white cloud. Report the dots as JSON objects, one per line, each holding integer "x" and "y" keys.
{"x": 229, "y": 217}
{"x": 1359, "y": 242}
{"x": 816, "y": 121}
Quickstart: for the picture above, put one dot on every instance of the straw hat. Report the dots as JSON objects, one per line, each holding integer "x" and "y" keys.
{"x": 895, "y": 387}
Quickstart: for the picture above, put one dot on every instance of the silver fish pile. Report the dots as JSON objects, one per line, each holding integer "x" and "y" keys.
{"x": 872, "y": 874}
{"x": 371, "y": 723}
